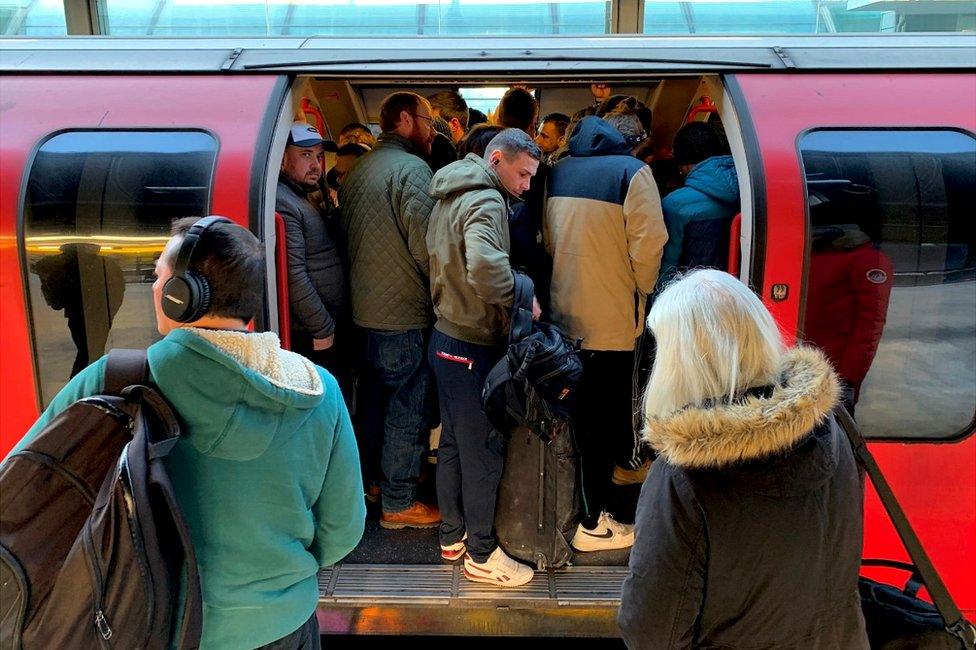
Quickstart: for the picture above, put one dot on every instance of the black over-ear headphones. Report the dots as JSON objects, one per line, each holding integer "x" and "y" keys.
{"x": 186, "y": 295}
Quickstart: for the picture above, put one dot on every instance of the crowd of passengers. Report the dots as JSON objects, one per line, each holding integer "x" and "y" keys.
{"x": 401, "y": 276}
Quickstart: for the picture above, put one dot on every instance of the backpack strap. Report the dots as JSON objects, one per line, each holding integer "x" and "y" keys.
{"x": 954, "y": 622}
{"x": 124, "y": 368}
{"x": 521, "y": 308}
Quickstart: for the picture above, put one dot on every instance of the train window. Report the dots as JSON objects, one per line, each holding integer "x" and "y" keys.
{"x": 97, "y": 214}
{"x": 891, "y": 291}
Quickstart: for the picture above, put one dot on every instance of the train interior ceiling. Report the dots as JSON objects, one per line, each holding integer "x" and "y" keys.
{"x": 671, "y": 99}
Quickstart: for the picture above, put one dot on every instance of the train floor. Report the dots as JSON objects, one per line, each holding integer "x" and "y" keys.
{"x": 419, "y": 546}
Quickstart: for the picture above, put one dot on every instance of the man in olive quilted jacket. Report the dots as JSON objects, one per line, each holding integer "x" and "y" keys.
{"x": 385, "y": 207}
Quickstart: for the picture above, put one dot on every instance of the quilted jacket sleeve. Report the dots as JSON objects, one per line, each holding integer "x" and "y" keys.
{"x": 665, "y": 589}
{"x": 306, "y": 307}
{"x": 415, "y": 207}
{"x": 486, "y": 255}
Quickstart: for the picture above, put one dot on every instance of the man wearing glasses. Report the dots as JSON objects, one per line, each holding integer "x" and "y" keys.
{"x": 385, "y": 207}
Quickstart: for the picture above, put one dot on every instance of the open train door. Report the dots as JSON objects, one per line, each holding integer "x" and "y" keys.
{"x": 95, "y": 168}
{"x": 864, "y": 244}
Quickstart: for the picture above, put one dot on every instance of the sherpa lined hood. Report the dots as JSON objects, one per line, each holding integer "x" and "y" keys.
{"x": 595, "y": 136}
{"x": 470, "y": 173}
{"x": 237, "y": 382}
{"x": 760, "y": 426}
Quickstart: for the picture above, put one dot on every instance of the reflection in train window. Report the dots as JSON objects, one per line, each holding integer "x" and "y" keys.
{"x": 891, "y": 292}
{"x": 96, "y": 216}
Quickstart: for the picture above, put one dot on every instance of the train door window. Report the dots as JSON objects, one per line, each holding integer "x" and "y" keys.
{"x": 891, "y": 294}
{"x": 97, "y": 213}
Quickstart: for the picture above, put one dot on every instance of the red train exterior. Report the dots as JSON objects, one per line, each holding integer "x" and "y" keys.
{"x": 935, "y": 480}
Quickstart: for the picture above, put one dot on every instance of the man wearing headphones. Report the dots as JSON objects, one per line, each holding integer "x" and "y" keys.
{"x": 267, "y": 470}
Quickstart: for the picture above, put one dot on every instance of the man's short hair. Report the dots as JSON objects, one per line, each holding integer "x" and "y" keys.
{"x": 396, "y": 103}
{"x": 353, "y": 149}
{"x": 451, "y": 106}
{"x": 512, "y": 142}
{"x": 697, "y": 141}
{"x": 561, "y": 121}
{"x": 517, "y": 109}
{"x": 477, "y": 139}
{"x": 441, "y": 126}
{"x": 476, "y": 117}
{"x": 353, "y": 127}
{"x": 360, "y": 133}
{"x": 618, "y": 103}
{"x": 628, "y": 124}
{"x": 232, "y": 261}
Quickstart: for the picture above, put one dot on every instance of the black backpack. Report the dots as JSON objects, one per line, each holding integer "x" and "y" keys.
{"x": 535, "y": 383}
{"x": 94, "y": 549}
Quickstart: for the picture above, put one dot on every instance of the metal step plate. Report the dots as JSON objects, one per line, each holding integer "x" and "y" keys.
{"x": 438, "y": 599}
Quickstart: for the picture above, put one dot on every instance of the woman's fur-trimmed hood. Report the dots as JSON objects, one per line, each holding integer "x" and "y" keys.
{"x": 754, "y": 427}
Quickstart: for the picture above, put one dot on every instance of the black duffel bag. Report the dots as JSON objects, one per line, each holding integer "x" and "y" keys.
{"x": 896, "y": 618}
{"x": 534, "y": 384}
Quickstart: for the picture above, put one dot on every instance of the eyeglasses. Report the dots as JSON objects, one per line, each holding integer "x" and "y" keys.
{"x": 423, "y": 117}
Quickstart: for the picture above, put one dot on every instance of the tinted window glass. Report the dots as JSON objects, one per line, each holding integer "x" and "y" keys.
{"x": 805, "y": 17}
{"x": 96, "y": 216}
{"x": 892, "y": 279}
{"x": 353, "y": 17}
{"x": 32, "y": 18}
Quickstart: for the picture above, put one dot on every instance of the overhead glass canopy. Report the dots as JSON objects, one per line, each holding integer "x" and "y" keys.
{"x": 489, "y": 17}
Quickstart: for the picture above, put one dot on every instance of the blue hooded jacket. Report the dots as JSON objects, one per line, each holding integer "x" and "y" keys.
{"x": 698, "y": 217}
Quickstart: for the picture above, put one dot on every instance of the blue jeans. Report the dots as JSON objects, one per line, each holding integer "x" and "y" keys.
{"x": 400, "y": 379}
{"x": 471, "y": 453}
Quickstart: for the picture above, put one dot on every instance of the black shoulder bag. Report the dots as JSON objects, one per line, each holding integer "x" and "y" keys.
{"x": 897, "y": 618}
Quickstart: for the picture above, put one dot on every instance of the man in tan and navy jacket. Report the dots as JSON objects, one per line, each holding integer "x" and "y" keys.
{"x": 605, "y": 231}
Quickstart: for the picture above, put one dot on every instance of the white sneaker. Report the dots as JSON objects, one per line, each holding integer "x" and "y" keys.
{"x": 498, "y": 569}
{"x": 608, "y": 535}
{"x": 454, "y": 552}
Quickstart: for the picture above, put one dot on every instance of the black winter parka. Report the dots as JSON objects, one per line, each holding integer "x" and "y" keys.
{"x": 749, "y": 527}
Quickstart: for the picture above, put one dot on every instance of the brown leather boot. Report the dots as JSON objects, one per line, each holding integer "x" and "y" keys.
{"x": 418, "y": 515}
{"x": 624, "y": 476}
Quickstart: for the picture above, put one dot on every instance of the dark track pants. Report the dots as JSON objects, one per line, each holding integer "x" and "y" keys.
{"x": 604, "y": 425}
{"x": 471, "y": 453}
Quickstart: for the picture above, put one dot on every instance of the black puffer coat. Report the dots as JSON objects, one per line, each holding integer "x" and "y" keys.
{"x": 317, "y": 278}
{"x": 749, "y": 527}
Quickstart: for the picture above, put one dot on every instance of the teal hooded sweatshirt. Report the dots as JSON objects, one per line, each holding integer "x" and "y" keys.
{"x": 267, "y": 473}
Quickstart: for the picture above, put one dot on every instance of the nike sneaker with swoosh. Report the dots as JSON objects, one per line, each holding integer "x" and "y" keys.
{"x": 608, "y": 535}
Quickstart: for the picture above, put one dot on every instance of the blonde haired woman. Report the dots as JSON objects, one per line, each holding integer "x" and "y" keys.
{"x": 748, "y": 530}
